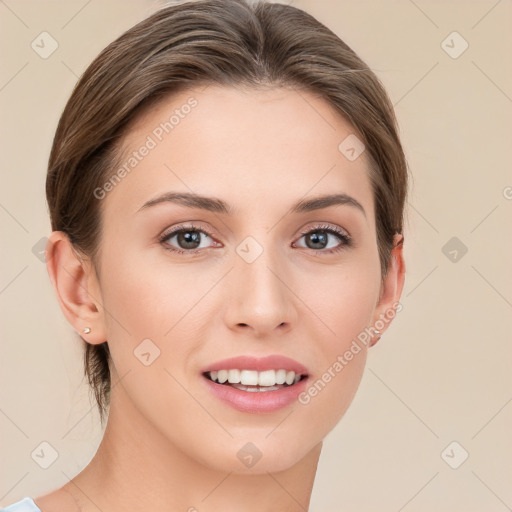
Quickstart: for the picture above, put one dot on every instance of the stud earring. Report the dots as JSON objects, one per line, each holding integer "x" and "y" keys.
{"x": 378, "y": 333}
{"x": 87, "y": 330}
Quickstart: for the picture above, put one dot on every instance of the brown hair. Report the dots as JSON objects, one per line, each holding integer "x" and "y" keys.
{"x": 224, "y": 42}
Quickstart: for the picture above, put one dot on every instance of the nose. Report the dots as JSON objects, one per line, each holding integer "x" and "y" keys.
{"x": 259, "y": 297}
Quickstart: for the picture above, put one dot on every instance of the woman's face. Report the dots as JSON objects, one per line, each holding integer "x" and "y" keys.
{"x": 248, "y": 281}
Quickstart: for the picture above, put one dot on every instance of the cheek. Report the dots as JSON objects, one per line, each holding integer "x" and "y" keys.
{"x": 151, "y": 299}
{"x": 155, "y": 308}
{"x": 343, "y": 303}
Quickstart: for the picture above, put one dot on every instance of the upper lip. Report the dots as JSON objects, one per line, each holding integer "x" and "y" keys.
{"x": 271, "y": 362}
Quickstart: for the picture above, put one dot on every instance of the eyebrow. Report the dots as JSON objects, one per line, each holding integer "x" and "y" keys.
{"x": 216, "y": 205}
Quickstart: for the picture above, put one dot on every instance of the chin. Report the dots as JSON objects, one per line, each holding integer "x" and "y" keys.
{"x": 259, "y": 456}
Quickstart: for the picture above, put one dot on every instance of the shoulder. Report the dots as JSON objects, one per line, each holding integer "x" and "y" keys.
{"x": 24, "y": 505}
{"x": 59, "y": 500}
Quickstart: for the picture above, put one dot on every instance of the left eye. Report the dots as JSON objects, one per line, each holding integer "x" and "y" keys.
{"x": 320, "y": 237}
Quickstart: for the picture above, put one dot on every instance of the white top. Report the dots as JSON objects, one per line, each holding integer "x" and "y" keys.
{"x": 25, "y": 505}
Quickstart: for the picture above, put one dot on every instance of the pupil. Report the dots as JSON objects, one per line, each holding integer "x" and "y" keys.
{"x": 189, "y": 237}
{"x": 317, "y": 239}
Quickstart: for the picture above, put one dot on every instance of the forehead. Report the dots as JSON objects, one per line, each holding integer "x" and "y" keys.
{"x": 255, "y": 148}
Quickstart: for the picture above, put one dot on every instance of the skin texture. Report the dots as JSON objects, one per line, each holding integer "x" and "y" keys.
{"x": 260, "y": 151}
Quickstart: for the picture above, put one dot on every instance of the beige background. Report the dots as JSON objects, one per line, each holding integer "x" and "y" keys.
{"x": 441, "y": 373}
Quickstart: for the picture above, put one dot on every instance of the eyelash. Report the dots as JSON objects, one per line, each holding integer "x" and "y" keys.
{"x": 346, "y": 240}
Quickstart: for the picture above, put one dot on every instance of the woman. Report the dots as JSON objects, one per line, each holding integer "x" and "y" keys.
{"x": 226, "y": 189}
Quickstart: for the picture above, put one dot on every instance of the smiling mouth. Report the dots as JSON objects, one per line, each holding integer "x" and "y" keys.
{"x": 251, "y": 380}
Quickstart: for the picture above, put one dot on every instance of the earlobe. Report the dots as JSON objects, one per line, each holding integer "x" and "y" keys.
{"x": 391, "y": 289}
{"x": 76, "y": 287}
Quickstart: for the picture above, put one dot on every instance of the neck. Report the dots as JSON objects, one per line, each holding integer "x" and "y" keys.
{"x": 137, "y": 468}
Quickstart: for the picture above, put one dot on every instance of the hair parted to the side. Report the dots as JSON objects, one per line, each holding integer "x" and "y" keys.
{"x": 222, "y": 42}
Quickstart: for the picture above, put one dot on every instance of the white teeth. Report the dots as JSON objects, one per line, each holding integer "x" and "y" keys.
{"x": 249, "y": 377}
{"x": 280, "y": 376}
{"x": 233, "y": 376}
{"x": 267, "y": 378}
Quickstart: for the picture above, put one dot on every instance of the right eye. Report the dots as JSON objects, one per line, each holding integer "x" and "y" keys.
{"x": 187, "y": 237}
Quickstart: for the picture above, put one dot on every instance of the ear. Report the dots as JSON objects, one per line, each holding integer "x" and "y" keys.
{"x": 77, "y": 287}
{"x": 391, "y": 288}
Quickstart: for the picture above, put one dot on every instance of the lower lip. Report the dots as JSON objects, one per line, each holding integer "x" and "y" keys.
{"x": 256, "y": 401}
